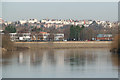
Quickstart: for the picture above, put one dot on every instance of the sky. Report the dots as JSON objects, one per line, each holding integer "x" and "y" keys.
{"x": 60, "y": 0}
{"x": 13, "y": 11}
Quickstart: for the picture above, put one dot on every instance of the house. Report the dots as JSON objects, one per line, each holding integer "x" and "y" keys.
{"x": 59, "y": 37}
{"x": 20, "y": 36}
{"x": 32, "y": 21}
{"x": 104, "y": 37}
{"x": 41, "y": 36}
{"x": 24, "y": 36}
{"x": 44, "y": 35}
{"x": 22, "y": 21}
{"x": 13, "y": 36}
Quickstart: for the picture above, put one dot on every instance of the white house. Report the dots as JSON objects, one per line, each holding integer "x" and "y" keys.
{"x": 58, "y": 36}
{"x": 13, "y": 36}
{"x": 20, "y": 36}
{"x": 32, "y": 21}
{"x": 24, "y": 36}
{"x": 22, "y": 21}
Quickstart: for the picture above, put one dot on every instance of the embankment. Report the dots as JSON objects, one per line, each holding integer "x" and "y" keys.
{"x": 62, "y": 45}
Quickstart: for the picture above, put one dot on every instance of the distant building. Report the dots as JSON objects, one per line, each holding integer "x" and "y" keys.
{"x": 44, "y": 35}
{"x": 104, "y": 37}
{"x": 24, "y": 36}
{"x": 20, "y": 36}
{"x": 22, "y": 21}
{"x": 13, "y": 36}
{"x": 41, "y": 36}
{"x": 59, "y": 37}
{"x": 32, "y": 21}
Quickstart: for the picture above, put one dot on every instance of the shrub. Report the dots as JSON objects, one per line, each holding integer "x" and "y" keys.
{"x": 7, "y": 43}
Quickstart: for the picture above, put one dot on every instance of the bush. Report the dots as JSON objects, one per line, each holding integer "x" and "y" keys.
{"x": 7, "y": 43}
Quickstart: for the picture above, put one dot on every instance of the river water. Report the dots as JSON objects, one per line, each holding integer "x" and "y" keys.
{"x": 60, "y": 63}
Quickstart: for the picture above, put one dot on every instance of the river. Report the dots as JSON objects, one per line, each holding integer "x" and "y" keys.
{"x": 60, "y": 63}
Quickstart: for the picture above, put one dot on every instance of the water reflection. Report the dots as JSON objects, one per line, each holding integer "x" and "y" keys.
{"x": 61, "y": 63}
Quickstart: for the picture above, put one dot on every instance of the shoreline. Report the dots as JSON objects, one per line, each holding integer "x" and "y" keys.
{"x": 65, "y": 44}
{"x": 70, "y": 42}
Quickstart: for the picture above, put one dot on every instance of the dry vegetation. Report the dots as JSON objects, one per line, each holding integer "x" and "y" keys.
{"x": 116, "y": 44}
{"x": 7, "y": 43}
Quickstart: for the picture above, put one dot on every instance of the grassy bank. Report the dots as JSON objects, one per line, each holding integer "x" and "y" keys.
{"x": 68, "y": 44}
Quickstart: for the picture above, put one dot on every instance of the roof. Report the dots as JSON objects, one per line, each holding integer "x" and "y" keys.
{"x": 43, "y": 32}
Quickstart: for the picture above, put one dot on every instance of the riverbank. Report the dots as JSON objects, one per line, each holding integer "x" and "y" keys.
{"x": 65, "y": 44}
{"x": 115, "y": 48}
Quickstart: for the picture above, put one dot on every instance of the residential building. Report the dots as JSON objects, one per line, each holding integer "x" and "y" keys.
{"x": 32, "y": 21}
{"x": 22, "y": 21}
{"x": 20, "y": 36}
{"x": 104, "y": 37}
{"x": 59, "y": 37}
{"x": 14, "y": 37}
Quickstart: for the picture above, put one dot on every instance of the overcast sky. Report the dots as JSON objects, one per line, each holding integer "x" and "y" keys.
{"x": 12, "y": 11}
{"x": 60, "y": 0}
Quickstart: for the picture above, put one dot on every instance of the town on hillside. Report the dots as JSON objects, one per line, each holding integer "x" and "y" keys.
{"x": 59, "y": 30}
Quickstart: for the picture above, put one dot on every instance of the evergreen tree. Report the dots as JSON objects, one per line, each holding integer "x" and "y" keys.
{"x": 75, "y": 32}
{"x": 72, "y": 32}
{"x": 10, "y": 29}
